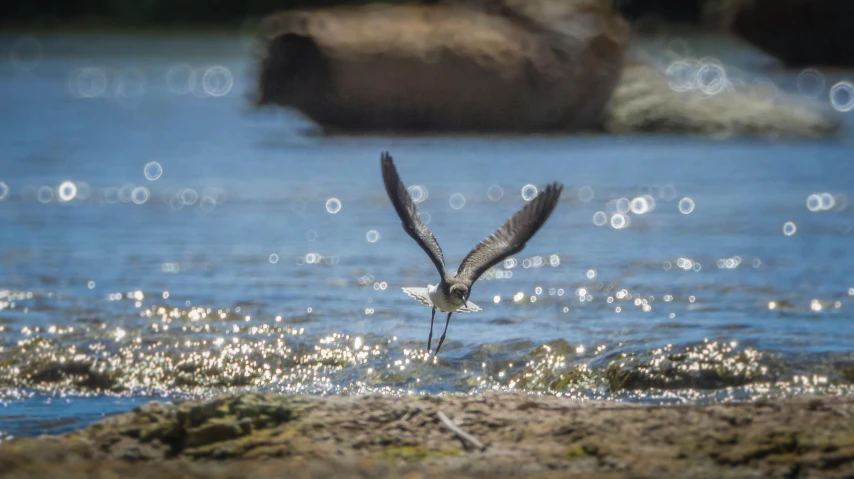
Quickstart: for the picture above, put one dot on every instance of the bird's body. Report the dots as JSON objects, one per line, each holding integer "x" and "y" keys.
{"x": 442, "y": 298}
{"x": 451, "y": 294}
{"x": 438, "y": 296}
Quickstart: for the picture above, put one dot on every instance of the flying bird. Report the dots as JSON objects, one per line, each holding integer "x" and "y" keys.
{"x": 451, "y": 293}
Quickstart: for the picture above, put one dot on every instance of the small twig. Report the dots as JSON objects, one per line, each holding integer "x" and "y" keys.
{"x": 465, "y": 437}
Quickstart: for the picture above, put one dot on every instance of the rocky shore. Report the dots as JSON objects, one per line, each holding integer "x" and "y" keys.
{"x": 494, "y": 435}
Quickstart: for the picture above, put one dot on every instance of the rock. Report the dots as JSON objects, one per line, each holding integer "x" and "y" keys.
{"x": 500, "y": 66}
{"x": 393, "y": 437}
{"x": 211, "y": 432}
{"x": 682, "y": 11}
{"x": 644, "y": 101}
{"x": 536, "y": 66}
{"x": 798, "y": 32}
{"x": 709, "y": 365}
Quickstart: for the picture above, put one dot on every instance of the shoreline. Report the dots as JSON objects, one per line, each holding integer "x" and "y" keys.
{"x": 266, "y": 435}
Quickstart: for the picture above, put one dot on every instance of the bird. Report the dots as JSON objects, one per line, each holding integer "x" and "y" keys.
{"x": 451, "y": 294}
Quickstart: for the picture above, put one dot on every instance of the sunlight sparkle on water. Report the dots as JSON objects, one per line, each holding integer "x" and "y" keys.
{"x": 640, "y": 205}
{"x": 140, "y": 195}
{"x": 712, "y": 78}
{"x": 4, "y": 191}
{"x": 600, "y": 218}
{"x": 842, "y": 96}
{"x": 814, "y": 202}
{"x": 188, "y": 196}
{"x": 153, "y": 171}
{"x": 66, "y": 191}
{"x": 45, "y": 194}
{"x": 585, "y": 194}
{"x": 619, "y": 221}
{"x": 811, "y": 83}
{"x": 820, "y": 202}
{"x": 529, "y": 192}
{"x": 457, "y": 201}
{"x": 178, "y": 79}
{"x": 418, "y": 193}
{"x": 372, "y": 236}
{"x": 130, "y": 87}
{"x": 333, "y": 205}
{"x": 686, "y": 206}
{"x": 495, "y": 193}
{"x": 88, "y": 83}
{"x": 217, "y": 81}
{"x": 789, "y": 228}
{"x": 707, "y": 75}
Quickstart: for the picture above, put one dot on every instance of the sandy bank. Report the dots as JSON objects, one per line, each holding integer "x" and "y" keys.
{"x": 369, "y": 436}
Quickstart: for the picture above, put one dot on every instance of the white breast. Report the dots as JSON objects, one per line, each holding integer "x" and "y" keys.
{"x": 440, "y": 301}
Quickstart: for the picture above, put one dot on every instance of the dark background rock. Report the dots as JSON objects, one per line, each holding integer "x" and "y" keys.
{"x": 683, "y": 11}
{"x": 798, "y": 32}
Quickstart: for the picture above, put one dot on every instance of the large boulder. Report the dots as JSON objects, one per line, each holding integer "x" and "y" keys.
{"x": 798, "y": 32}
{"x": 522, "y": 66}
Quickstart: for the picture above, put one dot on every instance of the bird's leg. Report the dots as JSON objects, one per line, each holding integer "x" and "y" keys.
{"x": 442, "y": 339}
{"x": 430, "y": 338}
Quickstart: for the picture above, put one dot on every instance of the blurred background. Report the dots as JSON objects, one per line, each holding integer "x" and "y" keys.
{"x": 191, "y": 200}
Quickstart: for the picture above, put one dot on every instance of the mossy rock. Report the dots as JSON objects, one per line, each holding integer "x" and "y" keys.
{"x": 416, "y": 453}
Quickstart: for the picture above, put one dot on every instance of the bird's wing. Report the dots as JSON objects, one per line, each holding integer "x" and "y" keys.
{"x": 512, "y": 236}
{"x": 469, "y": 307}
{"x": 420, "y": 294}
{"x": 408, "y": 214}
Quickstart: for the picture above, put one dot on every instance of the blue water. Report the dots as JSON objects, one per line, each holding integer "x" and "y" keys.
{"x": 104, "y": 302}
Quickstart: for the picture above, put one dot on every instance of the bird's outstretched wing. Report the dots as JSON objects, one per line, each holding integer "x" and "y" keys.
{"x": 422, "y": 295}
{"x": 512, "y": 236}
{"x": 408, "y": 214}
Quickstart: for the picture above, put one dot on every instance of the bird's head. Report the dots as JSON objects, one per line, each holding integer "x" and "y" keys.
{"x": 460, "y": 291}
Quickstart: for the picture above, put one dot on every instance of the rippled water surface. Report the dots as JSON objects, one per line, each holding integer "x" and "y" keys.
{"x": 160, "y": 239}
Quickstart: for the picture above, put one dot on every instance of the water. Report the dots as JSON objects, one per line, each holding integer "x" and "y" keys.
{"x": 197, "y": 251}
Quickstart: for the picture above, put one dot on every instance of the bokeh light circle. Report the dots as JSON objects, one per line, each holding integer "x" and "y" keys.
{"x": 789, "y": 228}
{"x": 333, "y": 205}
{"x": 66, "y": 191}
{"x": 842, "y": 96}
{"x": 153, "y": 171}
{"x": 529, "y": 192}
